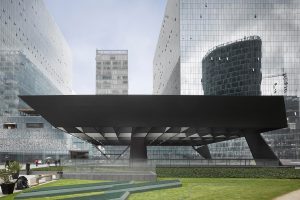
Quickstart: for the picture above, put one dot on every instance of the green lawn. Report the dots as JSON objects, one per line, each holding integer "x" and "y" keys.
{"x": 207, "y": 189}
{"x": 223, "y": 188}
{"x": 57, "y": 183}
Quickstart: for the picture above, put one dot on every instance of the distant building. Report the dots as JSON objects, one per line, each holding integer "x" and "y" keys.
{"x": 111, "y": 72}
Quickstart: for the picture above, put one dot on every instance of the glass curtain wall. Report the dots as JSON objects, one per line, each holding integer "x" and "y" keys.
{"x": 207, "y": 24}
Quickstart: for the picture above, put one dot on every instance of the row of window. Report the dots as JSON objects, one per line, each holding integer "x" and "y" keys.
{"x": 114, "y": 62}
{"x": 28, "y": 125}
{"x": 109, "y": 68}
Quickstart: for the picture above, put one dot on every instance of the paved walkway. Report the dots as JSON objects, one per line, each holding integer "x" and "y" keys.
{"x": 110, "y": 190}
{"x": 295, "y": 195}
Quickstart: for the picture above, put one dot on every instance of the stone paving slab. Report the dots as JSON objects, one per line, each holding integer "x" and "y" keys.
{"x": 76, "y": 190}
{"x": 108, "y": 196}
{"x": 132, "y": 188}
{"x": 295, "y": 195}
{"x": 135, "y": 188}
{"x": 72, "y": 186}
{"x": 112, "y": 176}
{"x": 110, "y": 190}
{"x": 143, "y": 184}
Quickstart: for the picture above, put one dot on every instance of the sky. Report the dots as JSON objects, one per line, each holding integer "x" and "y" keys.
{"x": 110, "y": 24}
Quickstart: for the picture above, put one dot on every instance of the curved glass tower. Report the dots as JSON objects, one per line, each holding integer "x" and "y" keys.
{"x": 233, "y": 69}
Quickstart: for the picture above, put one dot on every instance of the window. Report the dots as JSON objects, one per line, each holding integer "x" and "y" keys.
{"x": 34, "y": 125}
{"x": 9, "y": 126}
{"x": 106, "y": 77}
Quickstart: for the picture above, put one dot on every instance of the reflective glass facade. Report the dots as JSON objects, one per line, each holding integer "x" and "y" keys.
{"x": 207, "y": 24}
{"x": 202, "y": 25}
{"x": 20, "y": 77}
{"x": 26, "y": 136}
{"x": 34, "y": 60}
{"x": 28, "y": 27}
{"x": 153, "y": 152}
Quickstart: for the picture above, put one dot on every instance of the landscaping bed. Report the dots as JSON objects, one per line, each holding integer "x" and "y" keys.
{"x": 51, "y": 168}
{"x": 229, "y": 172}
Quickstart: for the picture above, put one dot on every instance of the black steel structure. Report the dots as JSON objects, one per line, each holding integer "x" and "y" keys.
{"x": 142, "y": 120}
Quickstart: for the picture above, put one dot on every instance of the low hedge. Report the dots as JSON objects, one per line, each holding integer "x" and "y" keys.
{"x": 216, "y": 172}
{"x": 51, "y": 168}
{"x": 228, "y": 172}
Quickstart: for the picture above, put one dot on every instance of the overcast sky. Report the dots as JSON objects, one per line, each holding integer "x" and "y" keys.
{"x": 110, "y": 24}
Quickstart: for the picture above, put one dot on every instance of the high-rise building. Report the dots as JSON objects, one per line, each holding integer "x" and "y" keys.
{"x": 111, "y": 72}
{"x": 190, "y": 29}
{"x": 35, "y": 59}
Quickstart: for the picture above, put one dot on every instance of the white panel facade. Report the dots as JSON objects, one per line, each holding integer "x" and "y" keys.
{"x": 35, "y": 59}
{"x": 166, "y": 63}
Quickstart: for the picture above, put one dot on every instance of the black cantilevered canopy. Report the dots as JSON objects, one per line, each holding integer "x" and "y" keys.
{"x": 159, "y": 119}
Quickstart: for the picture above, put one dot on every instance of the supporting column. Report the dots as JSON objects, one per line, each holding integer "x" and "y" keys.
{"x": 260, "y": 150}
{"x": 138, "y": 148}
{"x": 203, "y": 151}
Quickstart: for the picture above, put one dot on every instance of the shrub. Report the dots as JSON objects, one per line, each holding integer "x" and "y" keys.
{"x": 228, "y": 172}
